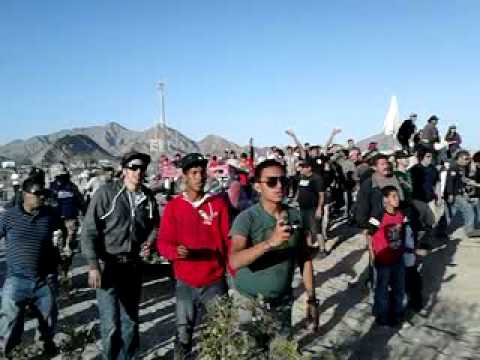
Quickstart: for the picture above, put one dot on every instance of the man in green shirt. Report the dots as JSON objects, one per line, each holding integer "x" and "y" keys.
{"x": 267, "y": 243}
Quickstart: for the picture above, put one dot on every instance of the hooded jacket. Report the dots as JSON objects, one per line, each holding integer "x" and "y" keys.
{"x": 118, "y": 222}
{"x": 202, "y": 227}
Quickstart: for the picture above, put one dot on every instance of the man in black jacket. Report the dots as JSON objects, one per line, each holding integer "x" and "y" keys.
{"x": 370, "y": 198}
{"x": 121, "y": 217}
{"x": 406, "y": 131}
{"x": 455, "y": 193}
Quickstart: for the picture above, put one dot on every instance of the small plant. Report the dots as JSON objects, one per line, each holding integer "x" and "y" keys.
{"x": 222, "y": 338}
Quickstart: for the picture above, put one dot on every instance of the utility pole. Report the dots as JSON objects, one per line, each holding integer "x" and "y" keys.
{"x": 161, "y": 88}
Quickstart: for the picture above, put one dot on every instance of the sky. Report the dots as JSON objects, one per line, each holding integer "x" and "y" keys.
{"x": 238, "y": 68}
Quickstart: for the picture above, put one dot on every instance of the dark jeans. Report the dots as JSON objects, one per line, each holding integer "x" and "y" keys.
{"x": 462, "y": 208}
{"x": 118, "y": 306}
{"x": 389, "y": 277}
{"x": 17, "y": 294}
{"x": 413, "y": 288}
{"x": 192, "y": 304}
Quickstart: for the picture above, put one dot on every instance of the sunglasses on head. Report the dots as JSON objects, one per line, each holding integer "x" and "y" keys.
{"x": 136, "y": 167}
{"x": 272, "y": 181}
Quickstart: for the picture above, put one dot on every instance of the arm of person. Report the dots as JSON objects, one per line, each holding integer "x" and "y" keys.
{"x": 167, "y": 238}
{"x": 91, "y": 229}
{"x": 297, "y": 142}
{"x": 321, "y": 204}
{"x": 152, "y": 237}
{"x": 241, "y": 254}
{"x": 331, "y": 137}
{"x": 362, "y": 212}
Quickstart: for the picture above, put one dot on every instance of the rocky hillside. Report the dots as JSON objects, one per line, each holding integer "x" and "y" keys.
{"x": 213, "y": 144}
{"x": 72, "y": 148}
{"x": 112, "y": 138}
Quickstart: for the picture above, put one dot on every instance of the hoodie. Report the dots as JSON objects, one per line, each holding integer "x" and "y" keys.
{"x": 202, "y": 227}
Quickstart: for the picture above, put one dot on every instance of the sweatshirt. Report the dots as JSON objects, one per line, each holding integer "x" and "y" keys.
{"x": 202, "y": 227}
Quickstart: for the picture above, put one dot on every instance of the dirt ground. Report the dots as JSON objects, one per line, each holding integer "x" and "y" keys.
{"x": 448, "y": 327}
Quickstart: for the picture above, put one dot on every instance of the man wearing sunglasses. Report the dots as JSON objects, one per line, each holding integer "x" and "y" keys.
{"x": 267, "y": 244}
{"x": 32, "y": 263}
{"x": 193, "y": 236}
{"x": 122, "y": 218}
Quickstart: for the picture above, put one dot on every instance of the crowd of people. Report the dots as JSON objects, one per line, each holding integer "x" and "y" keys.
{"x": 237, "y": 224}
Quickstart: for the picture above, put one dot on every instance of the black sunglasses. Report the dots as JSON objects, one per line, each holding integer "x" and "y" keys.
{"x": 136, "y": 167}
{"x": 272, "y": 181}
{"x": 39, "y": 192}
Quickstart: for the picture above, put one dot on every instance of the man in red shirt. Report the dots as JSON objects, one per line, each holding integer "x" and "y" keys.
{"x": 386, "y": 250}
{"x": 194, "y": 237}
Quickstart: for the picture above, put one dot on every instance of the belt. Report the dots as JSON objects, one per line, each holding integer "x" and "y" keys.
{"x": 122, "y": 259}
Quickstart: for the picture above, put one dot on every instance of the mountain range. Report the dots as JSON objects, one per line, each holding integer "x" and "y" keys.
{"x": 105, "y": 142}
{"x": 112, "y": 140}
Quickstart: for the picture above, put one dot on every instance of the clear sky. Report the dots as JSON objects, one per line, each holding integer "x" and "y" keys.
{"x": 238, "y": 68}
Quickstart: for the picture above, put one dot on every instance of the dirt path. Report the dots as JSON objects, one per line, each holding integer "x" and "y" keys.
{"x": 448, "y": 328}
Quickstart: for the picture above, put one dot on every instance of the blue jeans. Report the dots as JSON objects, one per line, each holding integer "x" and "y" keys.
{"x": 462, "y": 207}
{"x": 192, "y": 305}
{"x": 389, "y": 277}
{"x": 16, "y": 295}
{"x": 118, "y": 305}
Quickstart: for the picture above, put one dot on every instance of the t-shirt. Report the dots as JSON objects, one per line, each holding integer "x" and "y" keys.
{"x": 271, "y": 274}
{"x": 308, "y": 189}
{"x": 388, "y": 242}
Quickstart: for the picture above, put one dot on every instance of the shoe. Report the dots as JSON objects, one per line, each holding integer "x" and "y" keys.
{"x": 50, "y": 349}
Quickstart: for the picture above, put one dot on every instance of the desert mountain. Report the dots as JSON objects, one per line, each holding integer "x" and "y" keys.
{"x": 214, "y": 144}
{"x": 72, "y": 148}
{"x": 112, "y": 138}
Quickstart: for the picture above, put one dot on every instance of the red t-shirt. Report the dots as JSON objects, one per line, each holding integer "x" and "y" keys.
{"x": 387, "y": 242}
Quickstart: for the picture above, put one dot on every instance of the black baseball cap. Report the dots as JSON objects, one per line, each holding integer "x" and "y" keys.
{"x": 193, "y": 159}
{"x": 135, "y": 155}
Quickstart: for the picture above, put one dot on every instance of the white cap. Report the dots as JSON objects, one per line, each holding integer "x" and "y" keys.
{"x": 14, "y": 177}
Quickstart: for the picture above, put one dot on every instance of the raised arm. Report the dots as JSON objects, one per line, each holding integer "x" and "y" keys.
{"x": 332, "y": 136}
{"x": 297, "y": 142}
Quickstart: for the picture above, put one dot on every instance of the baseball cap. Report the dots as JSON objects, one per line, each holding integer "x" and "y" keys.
{"x": 193, "y": 159}
{"x": 135, "y": 155}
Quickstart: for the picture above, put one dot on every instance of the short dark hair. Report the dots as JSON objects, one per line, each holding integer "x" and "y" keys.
{"x": 266, "y": 164}
{"x": 476, "y": 157}
{"x": 461, "y": 153}
{"x": 379, "y": 157}
{"x": 422, "y": 152}
{"x": 30, "y": 182}
{"x": 387, "y": 190}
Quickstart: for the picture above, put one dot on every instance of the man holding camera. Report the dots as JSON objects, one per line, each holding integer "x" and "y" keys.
{"x": 267, "y": 243}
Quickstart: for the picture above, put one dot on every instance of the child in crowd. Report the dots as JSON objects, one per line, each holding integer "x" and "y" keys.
{"x": 387, "y": 249}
